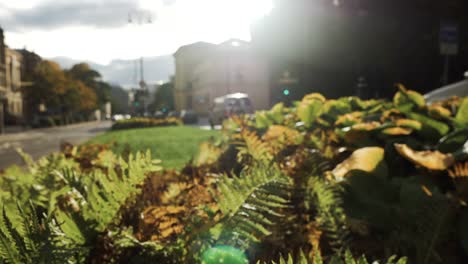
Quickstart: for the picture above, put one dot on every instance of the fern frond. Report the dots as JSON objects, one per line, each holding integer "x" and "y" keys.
{"x": 40, "y": 241}
{"x": 346, "y": 258}
{"x": 439, "y": 214}
{"x": 251, "y": 146}
{"x": 251, "y": 203}
{"x": 9, "y": 251}
{"x": 330, "y": 213}
{"x": 300, "y": 259}
{"x": 28, "y": 160}
{"x": 459, "y": 170}
{"x": 12, "y": 232}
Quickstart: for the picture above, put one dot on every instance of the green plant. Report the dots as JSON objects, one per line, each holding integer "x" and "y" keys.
{"x": 250, "y": 204}
{"x": 346, "y": 258}
{"x": 75, "y": 205}
{"x": 139, "y": 122}
{"x": 326, "y": 198}
{"x": 28, "y": 238}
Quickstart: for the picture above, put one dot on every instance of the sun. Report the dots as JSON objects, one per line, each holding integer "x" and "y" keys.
{"x": 222, "y": 19}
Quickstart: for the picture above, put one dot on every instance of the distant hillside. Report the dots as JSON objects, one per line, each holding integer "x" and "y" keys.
{"x": 122, "y": 72}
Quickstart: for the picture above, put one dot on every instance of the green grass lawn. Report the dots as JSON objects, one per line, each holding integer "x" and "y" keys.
{"x": 175, "y": 146}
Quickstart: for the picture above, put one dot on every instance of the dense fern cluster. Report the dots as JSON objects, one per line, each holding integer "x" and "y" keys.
{"x": 323, "y": 181}
{"x": 55, "y": 210}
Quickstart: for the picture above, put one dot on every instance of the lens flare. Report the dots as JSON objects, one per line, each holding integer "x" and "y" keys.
{"x": 224, "y": 255}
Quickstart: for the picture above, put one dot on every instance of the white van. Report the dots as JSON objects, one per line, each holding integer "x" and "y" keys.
{"x": 231, "y": 104}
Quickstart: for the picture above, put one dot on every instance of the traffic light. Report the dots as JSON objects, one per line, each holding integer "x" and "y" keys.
{"x": 286, "y": 91}
{"x": 136, "y": 104}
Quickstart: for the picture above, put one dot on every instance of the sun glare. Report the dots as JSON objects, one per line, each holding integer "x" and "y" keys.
{"x": 179, "y": 23}
{"x": 222, "y": 19}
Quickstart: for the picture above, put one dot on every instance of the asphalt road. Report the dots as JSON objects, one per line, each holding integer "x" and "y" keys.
{"x": 40, "y": 142}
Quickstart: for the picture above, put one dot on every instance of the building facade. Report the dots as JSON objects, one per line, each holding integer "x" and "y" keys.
{"x": 11, "y": 100}
{"x": 205, "y": 71}
{"x": 14, "y": 98}
{"x": 28, "y": 63}
{"x": 187, "y": 58}
{"x": 2, "y": 81}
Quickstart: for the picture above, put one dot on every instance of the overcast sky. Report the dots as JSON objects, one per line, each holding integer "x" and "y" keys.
{"x": 98, "y": 30}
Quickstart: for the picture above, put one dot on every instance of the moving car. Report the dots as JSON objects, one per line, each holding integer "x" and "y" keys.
{"x": 188, "y": 116}
{"x": 228, "y": 105}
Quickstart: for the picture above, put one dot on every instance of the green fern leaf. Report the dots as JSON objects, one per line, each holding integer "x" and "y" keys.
{"x": 8, "y": 252}
{"x": 330, "y": 213}
{"x": 317, "y": 257}
{"x": 14, "y": 234}
{"x": 349, "y": 259}
{"x": 251, "y": 203}
{"x": 302, "y": 259}
{"x": 29, "y": 230}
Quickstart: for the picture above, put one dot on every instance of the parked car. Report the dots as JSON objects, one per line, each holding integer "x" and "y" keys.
{"x": 159, "y": 114}
{"x": 189, "y": 116}
{"x": 173, "y": 114}
{"x": 228, "y": 105}
{"x": 117, "y": 117}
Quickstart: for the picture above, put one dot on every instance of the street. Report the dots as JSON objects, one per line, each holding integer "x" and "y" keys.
{"x": 40, "y": 142}
{"x": 203, "y": 123}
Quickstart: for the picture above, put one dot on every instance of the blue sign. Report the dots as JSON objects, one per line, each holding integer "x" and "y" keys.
{"x": 448, "y": 38}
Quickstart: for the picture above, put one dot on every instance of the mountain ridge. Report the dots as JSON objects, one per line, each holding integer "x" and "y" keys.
{"x": 122, "y": 72}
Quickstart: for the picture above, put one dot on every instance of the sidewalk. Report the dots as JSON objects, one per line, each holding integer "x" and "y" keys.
{"x": 15, "y": 129}
{"x": 36, "y": 132}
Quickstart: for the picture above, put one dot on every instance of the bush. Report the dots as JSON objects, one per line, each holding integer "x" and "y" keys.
{"x": 320, "y": 182}
{"x": 51, "y": 122}
{"x": 56, "y": 210}
{"x": 140, "y": 122}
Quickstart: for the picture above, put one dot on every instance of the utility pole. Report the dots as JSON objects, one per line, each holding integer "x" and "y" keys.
{"x": 140, "y": 18}
{"x": 142, "y": 75}
{"x": 445, "y": 78}
{"x": 448, "y": 43}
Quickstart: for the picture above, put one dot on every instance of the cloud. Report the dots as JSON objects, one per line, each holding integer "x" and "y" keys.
{"x": 59, "y": 14}
{"x": 168, "y": 2}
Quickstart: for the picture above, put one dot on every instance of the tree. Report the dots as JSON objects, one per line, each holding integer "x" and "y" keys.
{"x": 50, "y": 84}
{"x": 91, "y": 78}
{"x": 87, "y": 97}
{"x": 84, "y": 73}
{"x": 64, "y": 97}
{"x": 119, "y": 99}
{"x": 164, "y": 97}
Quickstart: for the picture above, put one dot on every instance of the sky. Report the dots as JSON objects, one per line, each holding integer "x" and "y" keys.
{"x": 99, "y": 30}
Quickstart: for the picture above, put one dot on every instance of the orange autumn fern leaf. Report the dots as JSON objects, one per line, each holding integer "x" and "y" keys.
{"x": 459, "y": 170}
{"x": 161, "y": 222}
{"x": 459, "y": 175}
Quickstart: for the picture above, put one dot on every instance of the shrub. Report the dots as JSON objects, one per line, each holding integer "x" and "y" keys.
{"x": 324, "y": 181}
{"x": 141, "y": 122}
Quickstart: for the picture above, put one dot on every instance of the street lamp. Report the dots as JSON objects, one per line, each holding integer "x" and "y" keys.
{"x": 140, "y": 18}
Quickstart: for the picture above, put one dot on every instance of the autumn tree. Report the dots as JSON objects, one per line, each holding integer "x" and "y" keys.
{"x": 49, "y": 86}
{"x": 62, "y": 95}
{"x": 91, "y": 78}
{"x": 88, "y": 97}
